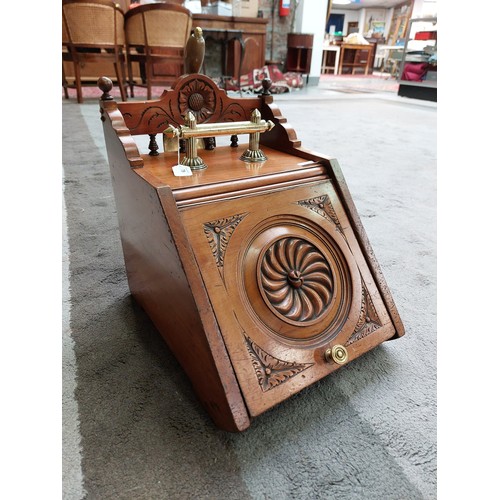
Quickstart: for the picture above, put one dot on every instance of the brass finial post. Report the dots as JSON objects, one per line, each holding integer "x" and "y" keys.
{"x": 254, "y": 153}
{"x": 192, "y": 159}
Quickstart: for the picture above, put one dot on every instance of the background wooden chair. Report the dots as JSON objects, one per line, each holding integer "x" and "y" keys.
{"x": 156, "y": 36}
{"x": 93, "y": 31}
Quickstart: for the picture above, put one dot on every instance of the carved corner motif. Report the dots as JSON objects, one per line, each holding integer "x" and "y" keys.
{"x": 323, "y": 206}
{"x": 218, "y": 233}
{"x": 368, "y": 321}
{"x": 271, "y": 371}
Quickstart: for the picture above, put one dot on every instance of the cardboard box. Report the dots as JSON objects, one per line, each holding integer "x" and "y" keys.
{"x": 219, "y": 9}
{"x": 245, "y": 8}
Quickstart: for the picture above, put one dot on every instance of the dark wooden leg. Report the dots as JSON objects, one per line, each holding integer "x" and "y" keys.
{"x": 120, "y": 81}
{"x": 123, "y": 74}
{"x": 64, "y": 83}
{"x": 149, "y": 74}
{"x": 242, "y": 56}
{"x": 130, "y": 76}
{"x": 78, "y": 82}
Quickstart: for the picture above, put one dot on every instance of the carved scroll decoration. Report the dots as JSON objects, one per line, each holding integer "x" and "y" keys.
{"x": 296, "y": 279}
{"x": 218, "y": 233}
{"x": 152, "y": 114}
{"x": 271, "y": 371}
{"x": 368, "y": 321}
{"x": 323, "y": 206}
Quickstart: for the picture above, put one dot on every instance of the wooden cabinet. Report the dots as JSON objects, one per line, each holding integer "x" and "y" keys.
{"x": 253, "y": 32}
{"x": 299, "y": 52}
{"x": 259, "y": 276}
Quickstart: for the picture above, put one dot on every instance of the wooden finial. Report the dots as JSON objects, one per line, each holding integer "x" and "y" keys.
{"x": 266, "y": 85}
{"x": 105, "y": 84}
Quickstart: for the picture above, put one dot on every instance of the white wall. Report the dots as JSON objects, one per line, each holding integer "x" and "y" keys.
{"x": 311, "y": 18}
{"x": 351, "y": 16}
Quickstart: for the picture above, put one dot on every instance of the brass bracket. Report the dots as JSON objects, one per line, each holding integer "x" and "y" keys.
{"x": 191, "y": 132}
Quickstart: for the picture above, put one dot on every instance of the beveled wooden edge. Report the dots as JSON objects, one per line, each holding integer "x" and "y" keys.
{"x": 236, "y": 403}
{"x": 109, "y": 111}
{"x": 252, "y": 185}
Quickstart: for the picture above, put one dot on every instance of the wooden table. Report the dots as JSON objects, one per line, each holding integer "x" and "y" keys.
{"x": 328, "y": 49}
{"x": 359, "y": 58}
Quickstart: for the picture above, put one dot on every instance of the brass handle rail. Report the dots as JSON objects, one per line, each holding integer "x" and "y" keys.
{"x": 191, "y": 131}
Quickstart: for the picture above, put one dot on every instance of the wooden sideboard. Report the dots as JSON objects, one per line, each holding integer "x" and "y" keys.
{"x": 253, "y": 32}
{"x": 254, "y": 36}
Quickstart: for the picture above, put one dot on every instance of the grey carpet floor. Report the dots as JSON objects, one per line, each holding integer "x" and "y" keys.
{"x": 132, "y": 427}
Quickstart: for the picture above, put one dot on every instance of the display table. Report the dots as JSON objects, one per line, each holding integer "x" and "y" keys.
{"x": 354, "y": 56}
{"x": 258, "y": 273}
{"x": 325, "y": 66}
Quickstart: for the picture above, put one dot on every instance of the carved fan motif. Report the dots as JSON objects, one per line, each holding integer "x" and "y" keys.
{"x": 271, "y": 371}
{"x": 296, "y": 279}
{"x": 199, "y": 98}
{"x": 323, "y": 206}
{"x": 368, "y": 321}
{"x": 218, "y": 233}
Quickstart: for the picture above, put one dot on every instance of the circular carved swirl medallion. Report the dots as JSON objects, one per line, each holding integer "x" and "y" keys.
{"x": 296, "y": 279}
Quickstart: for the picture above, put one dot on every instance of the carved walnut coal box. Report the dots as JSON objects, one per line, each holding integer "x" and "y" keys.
{"x": 257, "y": 272}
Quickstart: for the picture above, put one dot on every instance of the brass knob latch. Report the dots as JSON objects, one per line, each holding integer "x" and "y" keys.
{"x": 337, "y": 354}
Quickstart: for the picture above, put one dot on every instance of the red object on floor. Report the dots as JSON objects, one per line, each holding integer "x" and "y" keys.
{"x": 414, "y": 72}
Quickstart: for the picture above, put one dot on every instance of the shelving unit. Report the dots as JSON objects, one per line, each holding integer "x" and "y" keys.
{"x": 299, "y": 53}
{"x": 418, "y": 70}
{"x": 354, "y": 57}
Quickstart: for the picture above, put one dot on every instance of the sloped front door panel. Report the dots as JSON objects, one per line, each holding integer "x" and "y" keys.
{"x": 287, "y": 281}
